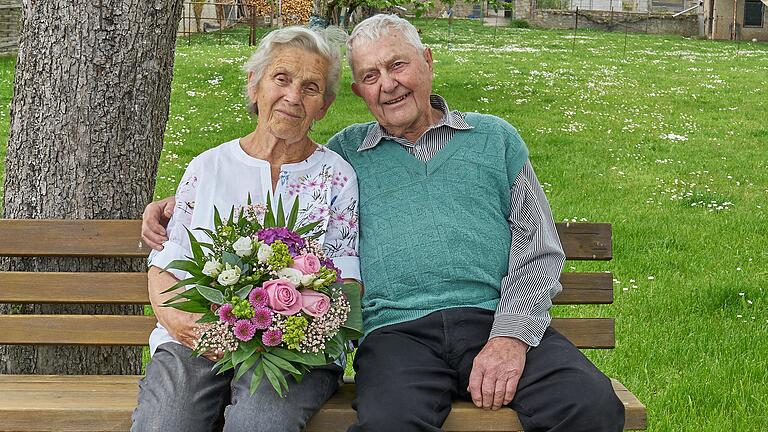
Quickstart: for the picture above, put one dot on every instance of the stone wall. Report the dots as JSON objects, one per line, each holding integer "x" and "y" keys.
{"x": 685, "y": 25}
{"x": 10, "y": 26}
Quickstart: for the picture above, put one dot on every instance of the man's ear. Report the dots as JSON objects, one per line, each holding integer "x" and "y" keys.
{"x": 356, "y": 89}
{"x": 428, "y": 57}
{"x": 326, "y": 105}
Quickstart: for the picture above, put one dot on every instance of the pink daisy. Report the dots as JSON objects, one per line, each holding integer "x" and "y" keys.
{"x": 258, "y": 297}
{"x": 244, "y": 330}
{"x": 262, "y": 318}
{"x": 272, "y": 337}
{"x": 225, "y": 314}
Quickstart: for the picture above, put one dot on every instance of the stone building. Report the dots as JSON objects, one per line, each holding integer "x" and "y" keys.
{"x": 10, "y": 26}
{"x": 736, "y": 19}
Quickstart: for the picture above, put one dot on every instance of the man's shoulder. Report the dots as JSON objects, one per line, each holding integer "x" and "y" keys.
{"x": 489, "y": 122}
{"x": 349, "y": 138}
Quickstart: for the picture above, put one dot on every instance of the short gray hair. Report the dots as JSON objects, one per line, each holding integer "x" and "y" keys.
{"x": 380, "y": 25}
{"x": 323, "y": 42}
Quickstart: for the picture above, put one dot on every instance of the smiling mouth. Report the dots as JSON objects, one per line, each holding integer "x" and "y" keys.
{"x": 394, "y": 101}
{"x": 287, "y": 114}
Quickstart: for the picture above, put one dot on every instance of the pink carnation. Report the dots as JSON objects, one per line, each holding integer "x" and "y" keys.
{"x": 272, "y": 337}
{"x": 258, "y": 297}
{"x": 262, "y": 318}
{"x": 244, "y": 330}
{"x": 225, "y": 314}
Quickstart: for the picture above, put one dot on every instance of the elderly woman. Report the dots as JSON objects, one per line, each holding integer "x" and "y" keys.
{"x": 292, "y": 80}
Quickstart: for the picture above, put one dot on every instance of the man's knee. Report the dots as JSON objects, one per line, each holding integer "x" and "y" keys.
{"x": 594, "y": 404}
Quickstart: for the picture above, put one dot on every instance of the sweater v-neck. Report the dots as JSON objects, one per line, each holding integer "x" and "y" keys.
{"x": 422, "y": 168}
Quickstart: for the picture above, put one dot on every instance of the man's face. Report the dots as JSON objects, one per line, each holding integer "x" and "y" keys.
{"x": 395, "y": 80}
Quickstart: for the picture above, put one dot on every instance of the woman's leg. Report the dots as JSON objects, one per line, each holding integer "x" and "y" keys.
{"x": 180, "y": 393}
{"x": 266, "y": 410}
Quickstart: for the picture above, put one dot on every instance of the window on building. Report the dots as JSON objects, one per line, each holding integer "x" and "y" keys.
{"x": 753, "y": 13}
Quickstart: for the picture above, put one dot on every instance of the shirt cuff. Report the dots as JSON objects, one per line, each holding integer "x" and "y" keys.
{"x": 349, "y": 266}
{"x": 171, "y": 251}
{"x": 524, "y": 327}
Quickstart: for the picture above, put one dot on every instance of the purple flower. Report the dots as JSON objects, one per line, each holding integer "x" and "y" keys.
{"x": 262, "y": 318}
{"x": 244, "y": 330}
{"x": 328, "y": 263}
{"x": 225, "y": 313}
{"x": 290, "y": 238}
{"x": 272, "y": 337}
{"x": 258, "y": 297}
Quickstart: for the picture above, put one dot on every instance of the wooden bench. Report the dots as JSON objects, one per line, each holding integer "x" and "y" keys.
{"x": 105, "y": 403}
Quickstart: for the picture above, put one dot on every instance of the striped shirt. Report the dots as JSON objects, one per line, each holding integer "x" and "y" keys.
{"x": 535, "y": 257}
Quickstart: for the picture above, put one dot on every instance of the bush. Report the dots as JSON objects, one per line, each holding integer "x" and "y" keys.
{"x": 519, "y": 23}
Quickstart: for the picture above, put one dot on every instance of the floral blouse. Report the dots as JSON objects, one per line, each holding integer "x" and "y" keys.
{"x": 225, "y": 176}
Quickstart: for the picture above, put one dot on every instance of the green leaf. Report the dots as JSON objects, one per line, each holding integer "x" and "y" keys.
{"x": 231, "y": 259}
{"x": 242, "y": 353}
{"x": 353, "y": 326}
{"x": 307, "y": 228}
{"x": 258, "y": 375}
{"x": 210, "y": 233}
{"x": 211, "y": 294}
{"x": 281, "y": 363}
{"x": 197, "y": 251}
{"x": 216, "y": 219}
{"x": 231, "y": 216}
{"x": 182, "y": 283}
{"x": 294, "y": 215}
{"x": 311, "y": 359}
{"x": 247, "y": 364}
{"x": 269, "y": 216}
{"x": 275, "y": 377}
{"x": 189, "y": 306}
{"x": 185, "y": 265}
{"x": 244, "y": 291}
{"x": 208, "y": 317}
{"x": 280, "y": 221}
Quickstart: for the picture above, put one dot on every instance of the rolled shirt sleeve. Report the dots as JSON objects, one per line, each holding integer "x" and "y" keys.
{"x": 535, "y": 261}
{"x": 177, "y": 247}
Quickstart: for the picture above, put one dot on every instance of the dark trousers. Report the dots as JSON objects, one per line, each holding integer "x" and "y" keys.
{"x": 407, "y": 375}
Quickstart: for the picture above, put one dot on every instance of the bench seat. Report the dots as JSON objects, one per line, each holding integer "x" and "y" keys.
{"x": 64, "y": 403}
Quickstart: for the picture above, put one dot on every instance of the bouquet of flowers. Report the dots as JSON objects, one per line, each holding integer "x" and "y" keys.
{"x": 270, "y": 298}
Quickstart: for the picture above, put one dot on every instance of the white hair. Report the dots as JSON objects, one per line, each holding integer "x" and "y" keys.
{"x": 323, "y": 42}
{"x": 380, "y": 25}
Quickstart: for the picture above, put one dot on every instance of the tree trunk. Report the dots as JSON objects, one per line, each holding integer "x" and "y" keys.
{"x": 89, "y": 110}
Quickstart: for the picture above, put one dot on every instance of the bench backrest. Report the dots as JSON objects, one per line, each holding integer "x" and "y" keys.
{"x": 120, "y": 238}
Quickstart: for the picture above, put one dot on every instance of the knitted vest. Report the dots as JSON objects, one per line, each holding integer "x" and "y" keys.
{"x": 434, "y": 235}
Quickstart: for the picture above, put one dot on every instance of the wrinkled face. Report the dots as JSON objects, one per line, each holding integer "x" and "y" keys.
{"x": 291, "y": 93}
{"x": 395, "y": 80}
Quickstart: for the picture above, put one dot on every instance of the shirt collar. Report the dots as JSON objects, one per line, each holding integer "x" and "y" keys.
{"x": 451, "y": 119}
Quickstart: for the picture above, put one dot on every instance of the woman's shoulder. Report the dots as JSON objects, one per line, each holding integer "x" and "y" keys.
{"x": 215, "y": 155}
{"x": 332, "y": 158}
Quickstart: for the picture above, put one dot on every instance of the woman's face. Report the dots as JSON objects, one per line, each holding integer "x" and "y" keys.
{"x": 291, "y": 93}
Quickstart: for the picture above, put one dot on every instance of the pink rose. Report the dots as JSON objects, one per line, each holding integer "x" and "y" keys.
{"x": 283, "y": 296}
{"x": 306, "y": 264}
{"x": 314, "y": 303}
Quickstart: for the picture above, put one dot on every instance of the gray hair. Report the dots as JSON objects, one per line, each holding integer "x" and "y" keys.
{"x": 380, "y": 25}
{"x": 323, "y": 42}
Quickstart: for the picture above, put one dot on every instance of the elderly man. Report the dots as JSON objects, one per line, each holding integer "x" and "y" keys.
{"x": 459, "y": 256}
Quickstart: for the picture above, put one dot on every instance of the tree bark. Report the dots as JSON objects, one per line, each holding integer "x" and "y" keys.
{"x": 90, "y": 104}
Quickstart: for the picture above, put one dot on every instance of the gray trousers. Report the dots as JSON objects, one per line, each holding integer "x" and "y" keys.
{"x": 180, "y": 393}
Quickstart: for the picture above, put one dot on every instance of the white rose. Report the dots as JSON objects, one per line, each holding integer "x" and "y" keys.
{"x": 230, "y": 276}
{"x": 265, "y": 251}
{"x": 291, "y": 274}
{"x": 212, "y": 268}
{"x": 243, "y": 246}
{"x": 307, "y": 280}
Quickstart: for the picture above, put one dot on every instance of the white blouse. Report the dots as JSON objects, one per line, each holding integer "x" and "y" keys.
{"x": 224, "y": 176}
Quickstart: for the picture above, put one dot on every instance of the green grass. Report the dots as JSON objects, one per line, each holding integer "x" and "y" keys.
{"x": 667, "y": 140}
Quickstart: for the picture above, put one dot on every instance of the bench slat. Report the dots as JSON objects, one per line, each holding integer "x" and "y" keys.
{"x": 102, "y": 238}
{"x": 90, "y": 238}
{"x": 134, "y": 330}
{"x": 55, "y": 403}
{"x": 131, "y": 288}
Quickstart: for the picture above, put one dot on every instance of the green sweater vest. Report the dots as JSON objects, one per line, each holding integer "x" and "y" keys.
{"x": 433, "y": 235}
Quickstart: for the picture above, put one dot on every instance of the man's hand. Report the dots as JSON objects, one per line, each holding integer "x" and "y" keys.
{"x": 154, "y": 220}
{"x": 496, "y": 371}
{"x": 181, "y": 325}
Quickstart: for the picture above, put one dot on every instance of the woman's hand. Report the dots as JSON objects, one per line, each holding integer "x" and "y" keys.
{"x": 154, "y": 220}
